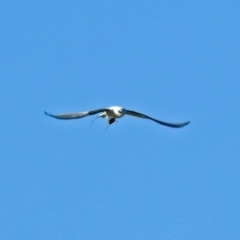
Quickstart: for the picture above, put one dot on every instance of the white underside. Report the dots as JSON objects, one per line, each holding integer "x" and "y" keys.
{"x": 111, "y": 113}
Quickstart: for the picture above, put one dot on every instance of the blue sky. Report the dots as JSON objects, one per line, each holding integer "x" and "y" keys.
{"x": 173, "y": 60}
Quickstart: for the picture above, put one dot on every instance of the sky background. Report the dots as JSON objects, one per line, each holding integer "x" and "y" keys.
{"x": 173, "y": 60}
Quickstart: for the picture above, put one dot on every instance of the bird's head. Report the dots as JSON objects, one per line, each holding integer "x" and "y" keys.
{"x": 119, "y": 111}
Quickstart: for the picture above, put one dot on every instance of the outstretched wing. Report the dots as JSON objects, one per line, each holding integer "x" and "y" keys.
{"x": 174, "y": 125}
{"x": 68, "y": 116}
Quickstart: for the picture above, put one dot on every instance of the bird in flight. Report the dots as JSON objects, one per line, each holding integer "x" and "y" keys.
{"x": 111, "y": 114}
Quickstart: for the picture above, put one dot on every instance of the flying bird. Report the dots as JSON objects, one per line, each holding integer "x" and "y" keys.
{"x": 111, "y": 114}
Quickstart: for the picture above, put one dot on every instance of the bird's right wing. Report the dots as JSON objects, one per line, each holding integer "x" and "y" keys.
{"x": 68, "y": 116}
{"x": 140, "y": 115}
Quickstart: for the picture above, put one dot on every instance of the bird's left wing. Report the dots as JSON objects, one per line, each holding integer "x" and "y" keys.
{"x": 67, "y": 116}
{"x": 174, "y": 125}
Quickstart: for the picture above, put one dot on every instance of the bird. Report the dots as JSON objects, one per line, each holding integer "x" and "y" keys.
{"x": 113, "y": 113}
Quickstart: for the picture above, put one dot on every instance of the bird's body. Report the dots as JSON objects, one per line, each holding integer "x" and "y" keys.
{"x": 111, "y": 114}
{"x": 114, "y": 112}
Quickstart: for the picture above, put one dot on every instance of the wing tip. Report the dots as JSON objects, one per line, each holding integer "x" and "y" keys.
{"x": 48, "y": 114}
{"x": 184, "y": 124}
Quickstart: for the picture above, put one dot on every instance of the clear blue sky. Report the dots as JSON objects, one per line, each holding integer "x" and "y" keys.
{"x": 173, "y": 60}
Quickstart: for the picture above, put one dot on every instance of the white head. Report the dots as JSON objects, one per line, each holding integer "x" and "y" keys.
{"x": 118, "y": 111}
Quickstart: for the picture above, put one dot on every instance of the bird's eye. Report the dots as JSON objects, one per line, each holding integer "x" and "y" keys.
{"x": 120, "y": 111}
